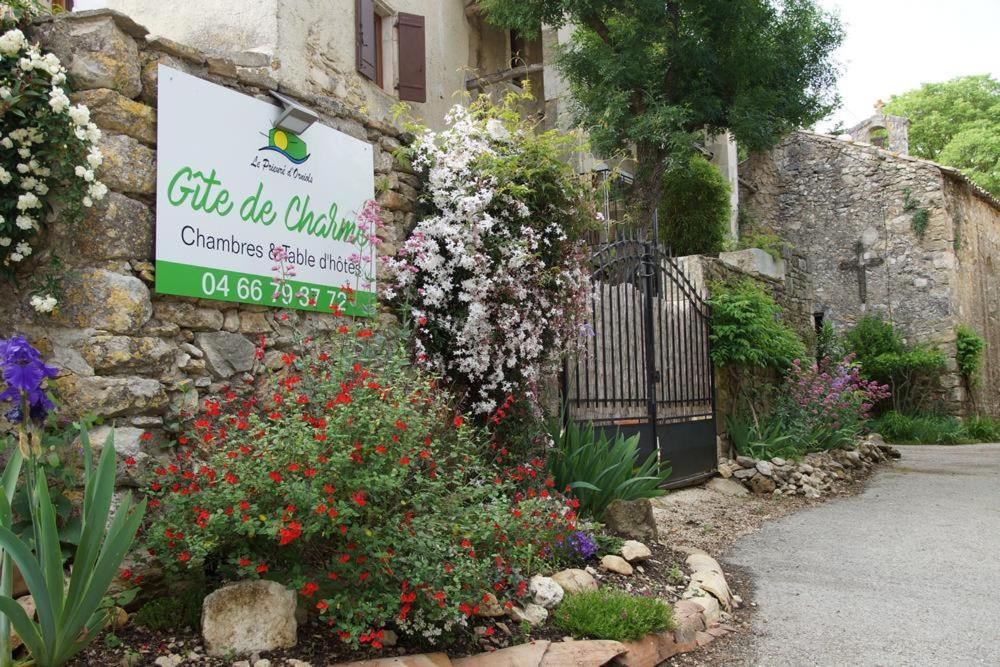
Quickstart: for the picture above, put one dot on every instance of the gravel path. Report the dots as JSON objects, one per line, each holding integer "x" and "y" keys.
{"x": 906, "y": 573}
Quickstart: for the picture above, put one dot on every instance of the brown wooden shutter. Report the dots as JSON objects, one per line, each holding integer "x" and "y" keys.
{"x": 367, "y": 45}
{"x": 412, "y": 58}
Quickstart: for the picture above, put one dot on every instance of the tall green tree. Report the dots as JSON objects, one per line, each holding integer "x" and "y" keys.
{"x": 649, "y": 75}
{"x": 956, "y": 123}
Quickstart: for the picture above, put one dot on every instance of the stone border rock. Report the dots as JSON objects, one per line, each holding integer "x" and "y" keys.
{"x": 817, "y": 474}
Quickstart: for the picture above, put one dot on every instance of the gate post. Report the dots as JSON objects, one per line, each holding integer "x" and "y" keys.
{"x": 649, "y": 344}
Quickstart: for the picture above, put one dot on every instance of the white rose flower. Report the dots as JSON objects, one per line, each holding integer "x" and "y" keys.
{"x": 95, "y": 158}
{"x": 28, "y": 200}
{"x": 58, "y": 100}
{"x": 11, "y": 42}
{"x": 7, "y": 143}
{"x": 97, "y": 190}
{"x": 26, "y": 64}
{"x": 44, "y": 304}
{"x": 4, "y": 176}
{"x": 59, "y": 78}
{"x": 24, "y": 153}
{"x": 24, "y": 222}
{"x": 42, "y": 189}
{"x": 23, "y": 248}
{"x": 88, "y": 202}
{"x": 5, "y": 93}
{"x": 4, "y": 241}
{"x": 93, "y": 133}
{"x": 15, "y": 257}
{"x": 79, "y": 114}
{"x": 29, "y": 183}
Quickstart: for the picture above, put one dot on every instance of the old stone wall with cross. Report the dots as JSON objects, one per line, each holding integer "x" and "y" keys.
{"x": 883, "y": 234}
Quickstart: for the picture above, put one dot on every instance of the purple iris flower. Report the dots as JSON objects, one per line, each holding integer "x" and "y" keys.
{"x": 583, "y": 544}
{"x": 23, "y": 372}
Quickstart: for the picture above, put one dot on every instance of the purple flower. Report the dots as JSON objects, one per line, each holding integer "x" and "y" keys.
{"x": 24, "y": 372}
{"x": 583, "y": 545}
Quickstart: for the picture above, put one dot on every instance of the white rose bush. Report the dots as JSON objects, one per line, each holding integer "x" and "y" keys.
{"x": 494, "y": 277}
{"x": 48, "y": 152}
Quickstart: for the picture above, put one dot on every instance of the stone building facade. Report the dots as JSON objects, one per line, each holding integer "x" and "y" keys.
{"x": 886, "y": 233}
{"x": 131, "y": 356}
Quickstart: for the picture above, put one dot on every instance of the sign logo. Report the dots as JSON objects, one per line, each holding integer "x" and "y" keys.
{"x": 287, "y": 144}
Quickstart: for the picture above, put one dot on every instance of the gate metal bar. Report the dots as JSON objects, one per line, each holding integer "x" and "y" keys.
{"x": 647, "y": 368}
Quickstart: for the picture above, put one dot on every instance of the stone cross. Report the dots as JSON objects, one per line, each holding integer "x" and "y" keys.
{"x": 859, "y": 266}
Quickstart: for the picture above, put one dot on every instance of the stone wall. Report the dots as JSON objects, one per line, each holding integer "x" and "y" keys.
{"x": 125, "y": 353}
{"x": 849, "y": 209}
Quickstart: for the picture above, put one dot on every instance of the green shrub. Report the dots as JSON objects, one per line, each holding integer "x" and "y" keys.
{"x": 355, "y": 483}
{"x": 611, "y": 614}
{"x": 695, "y": 209}
{"x": 772, "y": 244}
{"x": 982, "y": 429}
{"x": 173, "y": 612}
{"x": 970, "y": 347}
{"x": 747, "y": 331}
{"x": 899, "y": 428}
{"x": 599, "y": 470}
{"x": 828, "y": 344}
{"x": 909, "y": 370}
{"x": 765, "y": 439}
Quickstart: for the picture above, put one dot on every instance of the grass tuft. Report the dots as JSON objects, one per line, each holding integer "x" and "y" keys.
{"x": 611, "y": 614}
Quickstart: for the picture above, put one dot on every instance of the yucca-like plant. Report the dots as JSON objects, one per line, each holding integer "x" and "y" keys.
{"x": 69, "y": 618}
{"x": 598, "y": 469}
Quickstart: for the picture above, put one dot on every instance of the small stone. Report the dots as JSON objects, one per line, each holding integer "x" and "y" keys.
{"x": 746, "y": 461}
{"x": 545, "y": 591}
{"x": 389, "y": 638}
{"x": 490, "y": 607}
{"x": 762, "y": 485}
{"x": 806, "y": 469}
{"x": 616, "y": 564}
{"x": 263, "y": 662}
{"x": 778, "y": 461}
{"x": 241, "y": 663}
{"x": 531, "y": 613}
{"x": 227, "y": 353}
{"x": 765, "y": 468}
{"x": 633, "y": 551}
{"x": 171, "y": 660}
{"x": 727, "y": 487}
{"x": 575, "y": 581}
{"x": 745, "y": 473}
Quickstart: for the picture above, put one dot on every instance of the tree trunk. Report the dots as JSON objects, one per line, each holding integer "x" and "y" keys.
{"x": 651, "y": 163}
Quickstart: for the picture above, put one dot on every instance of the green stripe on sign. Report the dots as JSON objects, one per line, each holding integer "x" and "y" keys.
{"x": 223, "y": 285}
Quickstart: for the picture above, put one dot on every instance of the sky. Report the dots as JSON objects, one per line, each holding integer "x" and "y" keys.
{"x": 893, "y": 46}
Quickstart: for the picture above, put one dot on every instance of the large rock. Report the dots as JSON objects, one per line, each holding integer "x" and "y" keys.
{"x": 591, "y": 652}
{"x": 249, "y": 617}
{"x": 632, "y": 518}
{"x": 649, "y": 651}
{"x": 114, "y": 112}
{"x": 575, "y": 581}
{"x": 189, "y": 316}
{"x": 101, "y": 299}
{"x": 227, "y": 353}
{"x": 96, "y": 52}
{"x": 116, "y": 227}
{"x": 124, "y": 354}
{"x": 128, "y": 446}
{"x": 727, "y": 487}
{"x": 110, "y": 396}
{"x": 128, "y": 165}
{"x": 545, "y": 591}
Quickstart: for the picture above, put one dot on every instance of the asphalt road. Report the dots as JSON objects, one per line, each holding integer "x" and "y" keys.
{"x": 907, "y": 573}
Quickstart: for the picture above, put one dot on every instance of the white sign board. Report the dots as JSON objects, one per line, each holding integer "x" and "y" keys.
{"x": 232, "y": 191}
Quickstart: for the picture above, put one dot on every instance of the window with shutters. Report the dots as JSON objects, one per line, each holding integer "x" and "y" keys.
{"x": 391, "y": 50}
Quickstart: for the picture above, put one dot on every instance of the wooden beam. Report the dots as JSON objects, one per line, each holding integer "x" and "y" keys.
{"x": 473, "y": 82}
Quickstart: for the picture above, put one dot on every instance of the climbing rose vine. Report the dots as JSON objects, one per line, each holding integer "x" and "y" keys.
{"x": 493, "y": 278}
{"x": 47, "y": 150}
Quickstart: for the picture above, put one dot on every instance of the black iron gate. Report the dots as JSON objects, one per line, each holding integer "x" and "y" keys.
{"x": 646, "y": 366}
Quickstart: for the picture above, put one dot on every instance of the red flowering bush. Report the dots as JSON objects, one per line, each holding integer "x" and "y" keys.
{"x": 354, "y": 482}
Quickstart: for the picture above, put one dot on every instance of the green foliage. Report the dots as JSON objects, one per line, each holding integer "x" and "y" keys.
{"x": 598, "y": 469}
{"x": 764, "y": 439}
{"x": 920, "y": 216}
{"x": 611, "y": 614}
{"x": 772, "y": 244}
{"x": 828, "y": 344}
{"x": 69, "y": 618}
{"x": 931, "y": 429}
{"x": 358, "y": 485}
{"x": 909, "y": 370}
{"x": 982, "y": 429}
{"x": 608, "y": 544}
{"x": 695, "y": 209}
{"x": 747, "y": 331}
{"x": 20, "y": 12}
{"x": 652, "y": 75}
{"x": 957, "y": 123}
{"x": 970, "y": 348}
{"x": 172, "y": 613}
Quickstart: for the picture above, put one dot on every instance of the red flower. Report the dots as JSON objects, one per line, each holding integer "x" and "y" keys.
{"x": 275, "y": 475}
{"x": 290, "y": 533}
{"x": 130, "y": 461}
{"x": 365, "y": 333}
{"x": 404, "y": 461}
{"x": 147, "y": 436}
{"x": 126, "y": 574}
{"x": 261, "y": 569}
{"x": 457, "y": 421}
{"x": 244, "y": 562}
{"x": 322, "y": 605}
{"x": 184, "y": 557}
{"x": 359, "y": 498}
{"x": 309, "y": 589}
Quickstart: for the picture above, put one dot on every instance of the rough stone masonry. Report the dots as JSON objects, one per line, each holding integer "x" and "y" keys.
{"x": 850, "y": 209}
{"x": 125, "y": 353}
